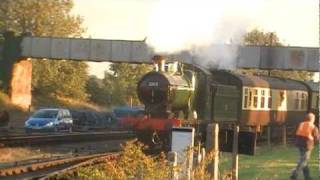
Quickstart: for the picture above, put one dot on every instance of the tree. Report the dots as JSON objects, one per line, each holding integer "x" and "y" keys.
{"x": 98, "y": 91}
{"x": 119, "y": 85}
{"x": 48, "y": 18}
{"x": 260, "y": 38}
{"x": 61, "y": 78}
{"x": 123, "y": 80}
{"x": 41, "y": 18}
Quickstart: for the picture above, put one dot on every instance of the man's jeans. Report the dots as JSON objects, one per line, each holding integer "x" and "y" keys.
{"x": 303, "y": 163}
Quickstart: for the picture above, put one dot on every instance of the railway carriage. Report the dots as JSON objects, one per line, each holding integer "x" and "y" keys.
{"x": 256, "y": 101}
{"x": 313, "y": 105}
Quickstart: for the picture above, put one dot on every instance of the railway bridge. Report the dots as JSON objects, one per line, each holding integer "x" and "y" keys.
{"x": 16, "y": 52}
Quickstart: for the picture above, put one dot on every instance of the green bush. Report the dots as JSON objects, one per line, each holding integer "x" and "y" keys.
{"x": 133, "y": 163}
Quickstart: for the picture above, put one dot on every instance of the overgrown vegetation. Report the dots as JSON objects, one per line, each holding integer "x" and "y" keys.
{"x": 273, "y": 163}
{"x": 18, "y": 154}
{"x": 60, "y": 78}
{"x": 132, "y": 164}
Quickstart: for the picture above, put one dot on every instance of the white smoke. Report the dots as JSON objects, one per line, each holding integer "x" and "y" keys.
{"x": 216, "y": 56}
{"x": 199, "y": 25}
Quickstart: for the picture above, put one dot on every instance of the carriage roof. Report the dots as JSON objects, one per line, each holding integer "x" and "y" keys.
{"x": 314, "y": 86}
{"x": 260, "y": 81}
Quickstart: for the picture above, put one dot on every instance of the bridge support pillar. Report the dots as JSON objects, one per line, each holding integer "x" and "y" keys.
{"x": 15, "y": 72}
{"x": 20, "y": 84}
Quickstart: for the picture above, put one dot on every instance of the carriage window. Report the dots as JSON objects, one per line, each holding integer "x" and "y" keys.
{"x": 303, "y": 101}
{"x": 262, "y": 98}
{"x": 250, "y": 98}
{"x": 245, "y": 103}
{"x": 269, "y": 99}
{"x": 255, "y": 98}
{"x": 296, "y": 101}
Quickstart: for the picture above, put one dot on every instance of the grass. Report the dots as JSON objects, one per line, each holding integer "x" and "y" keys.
{"x": 51, "y": 101}
{"x": 274, "y": 163}
{"x": 18, "y": 154}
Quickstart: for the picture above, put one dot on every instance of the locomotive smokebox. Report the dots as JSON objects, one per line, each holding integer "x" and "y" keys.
{"x": 164, "y": 92}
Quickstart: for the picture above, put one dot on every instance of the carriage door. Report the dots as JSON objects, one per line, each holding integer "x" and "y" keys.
{"x": 225, "y": 100}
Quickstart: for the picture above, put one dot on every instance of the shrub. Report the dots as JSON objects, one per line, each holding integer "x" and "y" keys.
{"x": 133, "y": 163}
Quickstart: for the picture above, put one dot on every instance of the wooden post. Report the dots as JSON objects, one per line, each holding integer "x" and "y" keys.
{"x": 212, "y": 147}
{"x": 188, "y": 174}
{"x": 269, "y": 136}
{"x": 172, "y": 156}
{"x": 215, "y": 151}
{"x": 284, "y": 135}
{"x": 199, "y": 158}
{"x": 203, "y": 160}
{"x": 189, "y": 163}
{"x": 235, "y": 153}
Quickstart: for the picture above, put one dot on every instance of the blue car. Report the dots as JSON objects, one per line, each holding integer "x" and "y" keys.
{"x": 52, "y": 120}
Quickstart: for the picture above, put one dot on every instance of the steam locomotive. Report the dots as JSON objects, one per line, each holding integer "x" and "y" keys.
{"x": 198, "y": 96}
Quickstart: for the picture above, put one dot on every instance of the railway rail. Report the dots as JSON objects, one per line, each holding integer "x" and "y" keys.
{"x": 51, "y": 168}
{"x": 71, "y": 169}
{"x": 35, "y": 140}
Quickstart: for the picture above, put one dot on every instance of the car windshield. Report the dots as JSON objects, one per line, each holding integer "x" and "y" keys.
{"x": 45, "y": 114}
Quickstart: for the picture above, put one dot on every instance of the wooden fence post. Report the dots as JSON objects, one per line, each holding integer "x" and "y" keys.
{"x": 203, "y": 160}
{"x": 284, "y": 135}
{"x": 212, "y": 146}
{"x": 172, "y": 156}
{"x": 235, "y": 157}
{"x": 216, "y": 152}
{"x": 189, "y": 163}
{"x": 269, "y": 136}
{"x": 199, "y": 155}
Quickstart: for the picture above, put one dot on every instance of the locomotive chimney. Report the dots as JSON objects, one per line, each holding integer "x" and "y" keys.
{"x": 159, "y": 62}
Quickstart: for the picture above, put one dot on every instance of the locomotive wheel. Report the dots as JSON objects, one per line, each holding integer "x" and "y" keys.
{"x": 161, "y": 140}
{"x": 145, "y": 137}
{"x": 155, "y": 138}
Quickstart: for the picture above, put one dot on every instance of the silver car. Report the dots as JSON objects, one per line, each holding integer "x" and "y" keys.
{"x": 53, "y": 120}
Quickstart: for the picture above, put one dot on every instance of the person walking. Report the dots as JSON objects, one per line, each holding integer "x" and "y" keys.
{"x": 306, "y": 135}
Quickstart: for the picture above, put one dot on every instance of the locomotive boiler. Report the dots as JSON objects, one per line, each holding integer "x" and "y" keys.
{"x": 165, "y": 95}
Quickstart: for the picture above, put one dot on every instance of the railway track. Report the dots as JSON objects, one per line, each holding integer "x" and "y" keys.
{"x": 71, "y": 169}
{"x": 51, "y": 168}
{"x": 35, "y": 140}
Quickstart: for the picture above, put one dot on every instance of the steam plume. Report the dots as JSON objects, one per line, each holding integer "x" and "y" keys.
{"x": 198, "y": 25}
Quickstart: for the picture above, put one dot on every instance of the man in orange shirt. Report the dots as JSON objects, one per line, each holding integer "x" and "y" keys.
{"x": 306, "y": 135}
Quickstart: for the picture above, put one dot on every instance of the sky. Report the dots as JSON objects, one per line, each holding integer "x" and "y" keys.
{"x": 296, "y": 22}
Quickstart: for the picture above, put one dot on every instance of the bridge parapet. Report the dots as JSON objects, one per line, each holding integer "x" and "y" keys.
{"x": 261, "y": 57}
{"x": 15, "y": 51}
